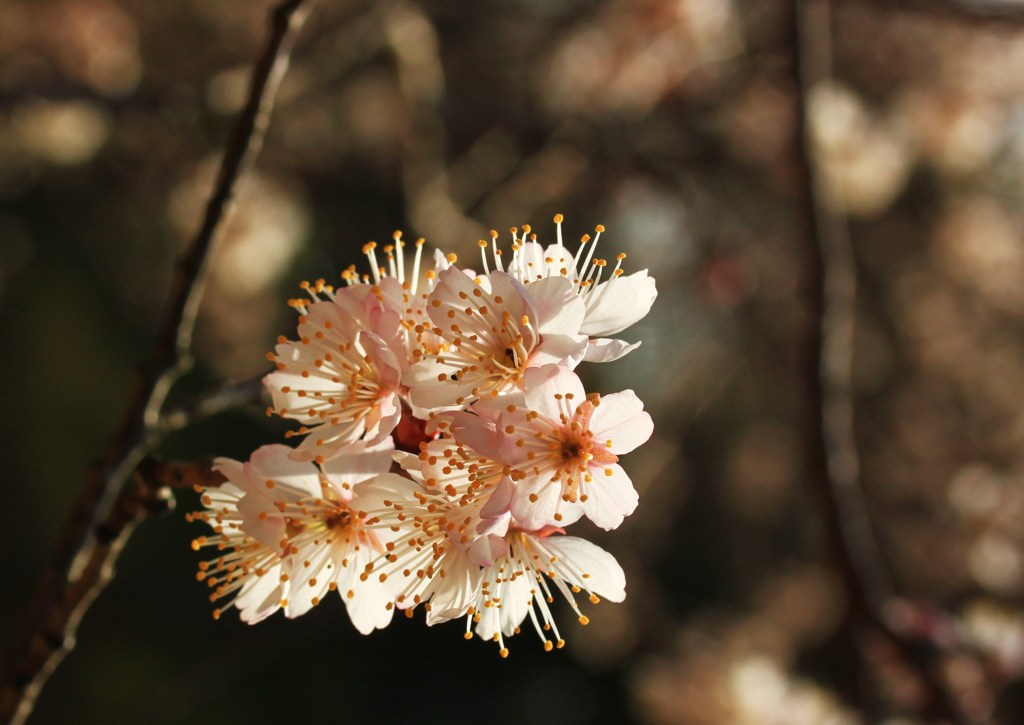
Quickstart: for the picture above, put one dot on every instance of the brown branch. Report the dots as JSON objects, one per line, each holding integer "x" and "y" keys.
{"x": 99, "y": 523}
{"x": 155, "y": 474}
{"x": 825, "y": 366}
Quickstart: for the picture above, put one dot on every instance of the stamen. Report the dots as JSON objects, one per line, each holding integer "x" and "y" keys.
{"x": 368, "y": 250}
{"x": 416, "y": 264}
{"x": 400, "y": 246}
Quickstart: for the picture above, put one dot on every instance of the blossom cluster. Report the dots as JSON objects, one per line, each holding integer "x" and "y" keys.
{"x": 445, "y": 444}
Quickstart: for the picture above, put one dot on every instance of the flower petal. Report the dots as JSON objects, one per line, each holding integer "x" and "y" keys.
{"x": 610, "y": 497}
{"x": 621, "y": 419}
{"x": 607, "y": 349}
{"x": 618, "y": 303}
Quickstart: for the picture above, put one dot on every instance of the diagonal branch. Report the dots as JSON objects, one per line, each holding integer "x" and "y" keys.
{"x": 826, "y": 353}
{"x": 86, "y": 549}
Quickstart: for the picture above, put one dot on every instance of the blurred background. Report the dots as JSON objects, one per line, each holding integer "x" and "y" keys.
{"x": 671, "y": 122}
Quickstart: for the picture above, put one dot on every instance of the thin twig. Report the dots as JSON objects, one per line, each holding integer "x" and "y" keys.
{"x": 86, "y": 550}
{"x": 228, "y": 396}
{"x": 832, "y": 463}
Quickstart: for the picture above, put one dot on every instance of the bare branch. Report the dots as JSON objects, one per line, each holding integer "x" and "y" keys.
{"x": 155, "y": 473}
{"x": 826, "y": 353}
{"x": 228, "y": 396}
{"x": 99, "y": 523}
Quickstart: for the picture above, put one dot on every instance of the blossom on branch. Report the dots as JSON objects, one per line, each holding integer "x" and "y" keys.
{"x": 446, "y": 444}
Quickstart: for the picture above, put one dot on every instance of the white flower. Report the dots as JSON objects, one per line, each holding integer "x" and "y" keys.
{"x": 611, "y": 305}
{"x": 309, "y": 521}
{"x": 562, "y": 447}
{"x": 494, "y": 329}
{"x": 342, "y": 378}
{"x": 465, "y": 381}
{"x": 244, "y": 569}
{"x": 505, "y": 574}
{"x": 519, "y": 584}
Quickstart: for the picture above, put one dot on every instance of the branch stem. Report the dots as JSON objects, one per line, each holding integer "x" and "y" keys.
{"x": 99, "y": 523}
{"x": 829, "y": 288}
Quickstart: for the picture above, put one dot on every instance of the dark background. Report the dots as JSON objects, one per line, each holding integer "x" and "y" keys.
{"x": 670, "y": 122}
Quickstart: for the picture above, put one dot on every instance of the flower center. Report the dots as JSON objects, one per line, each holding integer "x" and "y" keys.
{"x": 572, "y": 450}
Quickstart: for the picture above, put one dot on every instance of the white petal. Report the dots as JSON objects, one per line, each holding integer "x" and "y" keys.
{"x": 559, "y": 309}
{"x": 607, "y": 349}
{"x": 486, "y": 549}
{"x": 291, "y": 478}
{"x": 427, "y": 392}
{"x": 260, "y": 596}
{"x": 542, "y": 384}
{"x": 367, "y": 607}
{"x": 357, "y": 462}
{"x": 577, "y": 557}
{"x": 621, "y": 419}
{"x": 516, "y": 597}
{"x": 567, "y": 350}
{"x": 618, "y": 303}
{"x": 500, "y": 499}
{"x": 476, "y": 433}
{"x": 457, "y": 592}
{"x": 533, "y": 515}
{"x": 261, "y": 520}
{"x": 610, "y": 498}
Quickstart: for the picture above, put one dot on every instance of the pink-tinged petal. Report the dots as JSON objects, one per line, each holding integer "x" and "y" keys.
{"x": 621, "y": 419}
{"x": 533, "y": 515}
{"x": 486, "y": 549}
{"x": 607, "y": 349}
{"x": 410, "y": 463}
{"x": 567, "y": 350}
{"x": 232, "y": 470}
{"x": 380, "y": 425}
{"x": 262, "y": 520}
{"x": 383, "y": 358}
{"x": 357, "y": 462}
{"x": 539, "y": 262}
{"x": 560, "y": 310}
{"x": 290, "y": 478}
{"x": 340, "y": 314}
{"x": 476, "y": 433}
{"x": 495, "y": 525}
{"x": 500, "y": 499}
{"x": 610, "y": 497}
{"x": 492, "y": 407}
{"x": 577, "y": 557}
{"x": 514, "y": 296}
{"x": 543, "y": 384}
{"x": 618, "y": 303}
